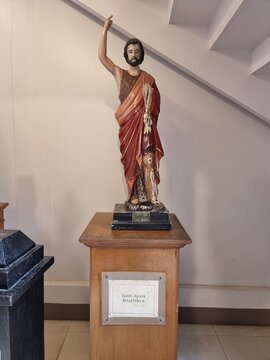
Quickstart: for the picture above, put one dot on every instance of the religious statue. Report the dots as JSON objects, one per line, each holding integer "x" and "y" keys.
{"x": 137, "y": 116}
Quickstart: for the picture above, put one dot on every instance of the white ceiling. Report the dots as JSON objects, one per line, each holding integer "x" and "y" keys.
{"x": 232, "y": 24}
{"x": 249, "y": 27}
{"x": 193, "y": 11}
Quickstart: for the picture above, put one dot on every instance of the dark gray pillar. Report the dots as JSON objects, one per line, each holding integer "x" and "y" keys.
{"x": 22, "y": 267}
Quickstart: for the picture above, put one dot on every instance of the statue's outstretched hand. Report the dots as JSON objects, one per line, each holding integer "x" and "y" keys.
{"x": 108, "y": 23}
{"x": 102, "y": 52}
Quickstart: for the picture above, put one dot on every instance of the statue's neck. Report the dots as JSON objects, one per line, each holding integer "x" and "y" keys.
{"x": 134, "y": 70}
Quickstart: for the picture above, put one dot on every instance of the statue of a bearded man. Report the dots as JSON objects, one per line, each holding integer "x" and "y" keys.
{"x": 137, "y": 117}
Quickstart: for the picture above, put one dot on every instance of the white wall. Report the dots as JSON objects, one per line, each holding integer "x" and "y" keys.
{"x": 60, "y": 161}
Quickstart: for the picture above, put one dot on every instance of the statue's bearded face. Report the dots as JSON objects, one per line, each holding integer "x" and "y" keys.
{"x": 134, "y": 54}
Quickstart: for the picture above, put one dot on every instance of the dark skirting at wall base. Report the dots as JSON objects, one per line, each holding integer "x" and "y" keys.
{"x": 186, "y": 315}
{"x": 224, "y": 316}
{"x": 66, "y": 311}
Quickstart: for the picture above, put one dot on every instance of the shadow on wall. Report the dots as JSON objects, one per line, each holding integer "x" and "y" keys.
{"x": 27, "y": 207}
{"x": 214, "y": 188}
{"x": 4, "y": 179}
{"x": 194, "y": 149}
{"x": 184, "y": 139}
{"x": 6, "y": 161}
{"x": 67, "y": 221}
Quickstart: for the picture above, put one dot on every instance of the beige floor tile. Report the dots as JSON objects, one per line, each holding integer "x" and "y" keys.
{"x": 76, "y": 347}
{"x": 246, "y": 347}
{"x": 57, "y": 325}
{"x": 200, "y": 347}
{"x": 188, "y": 329}
{"x": 79, "y": 326}
{"x": 242, "y": 330}
{"x": 53, "y": 343}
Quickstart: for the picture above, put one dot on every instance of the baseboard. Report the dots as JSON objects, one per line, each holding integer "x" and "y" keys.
{"x": 187, "y": 315}
{"x": 66, "y": 311}
{"x": 224, "y": 316}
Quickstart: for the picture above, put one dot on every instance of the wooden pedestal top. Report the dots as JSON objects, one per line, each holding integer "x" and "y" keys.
{"x": 3, "y": 205}
{"x": 98, "y": 233}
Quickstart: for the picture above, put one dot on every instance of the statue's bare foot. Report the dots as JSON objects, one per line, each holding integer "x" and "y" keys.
{"x": 157, "y": 205}
{"x": 134, "y": 200}
{"x": 133, "y": 204}
{"x": 155, "y": 202}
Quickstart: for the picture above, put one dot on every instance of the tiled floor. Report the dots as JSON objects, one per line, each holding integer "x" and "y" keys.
{"x": 66, "y": 340}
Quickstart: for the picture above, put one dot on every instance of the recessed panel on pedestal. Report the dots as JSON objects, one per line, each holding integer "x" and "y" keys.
{"x": 133, "y": 298}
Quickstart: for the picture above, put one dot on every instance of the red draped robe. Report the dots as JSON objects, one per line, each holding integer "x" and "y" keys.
{"x": 129, "y": 116}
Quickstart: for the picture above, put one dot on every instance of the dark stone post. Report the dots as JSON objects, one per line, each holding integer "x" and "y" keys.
{"x": 22, "y": 267}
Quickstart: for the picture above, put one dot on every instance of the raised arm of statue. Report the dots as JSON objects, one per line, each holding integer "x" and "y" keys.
{"x": 102, "y": 52}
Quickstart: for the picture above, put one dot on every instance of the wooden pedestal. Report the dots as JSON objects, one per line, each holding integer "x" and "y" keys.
{"x": 136, "y": 251}
{"x": 2, "y": 219}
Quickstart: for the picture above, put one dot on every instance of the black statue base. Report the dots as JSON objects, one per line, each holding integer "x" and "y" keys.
{"x": 22, "y": 267}
{"x": 22, "y": 326}
{"x": 127, "y": 219}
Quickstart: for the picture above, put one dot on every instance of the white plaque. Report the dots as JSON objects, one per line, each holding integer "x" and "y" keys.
{"x": 133, "y": 298}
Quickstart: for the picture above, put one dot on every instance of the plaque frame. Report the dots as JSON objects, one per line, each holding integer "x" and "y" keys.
{"x": 156, "y": 281}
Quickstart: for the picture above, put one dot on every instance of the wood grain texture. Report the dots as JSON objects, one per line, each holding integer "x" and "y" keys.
{"x": 145, "y": 342}
{"x": 2, "y": 219}
{"x": 139, "y": 251}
